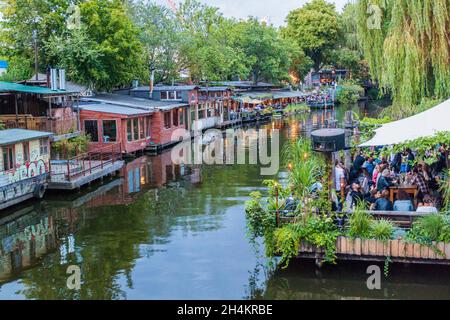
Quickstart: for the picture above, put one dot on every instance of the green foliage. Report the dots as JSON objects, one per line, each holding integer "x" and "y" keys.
{"x": 367, "y": 127}
{"x": 348, "y": 93}
{"x": 68, "y": 148}
{"x": 406, "y": 46}
{"x": 399, "y": 111}
{"x": 19, "y": 68}
{"x": 435, "y": 227}
{"x": 318, "y": 231}
{"x": 360, "y": 222}
{"x": 382, "y": 230}
{"x": 295, "y": 108}
{"x": 444, "y": 188}
{"x": 306, "y": 168}
{"x": 79, "y": 55}
{"x": 314, "y": 27}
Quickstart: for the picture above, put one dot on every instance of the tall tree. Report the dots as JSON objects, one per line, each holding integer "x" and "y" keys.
{"x": 267, "y": 53}
{"x": 407, "y": 46}
{"x": 315, "y": 29}
{"x": 160, "y": 34}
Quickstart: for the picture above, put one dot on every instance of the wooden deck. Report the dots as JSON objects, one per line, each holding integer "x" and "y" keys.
{"x": 61, "y": 180}
{"x": 376, "y": 250}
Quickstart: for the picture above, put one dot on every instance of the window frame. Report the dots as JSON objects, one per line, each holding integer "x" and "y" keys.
{"x": 9, "y": 162}
{"x": 98, "y": 131}
{"x": 103, "y": 131}
{"x": 169, "y": 124}
{"x": 26, "y": 151}
{"x": 43, "y": 147}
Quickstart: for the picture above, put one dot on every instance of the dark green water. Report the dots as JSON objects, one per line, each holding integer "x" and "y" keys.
{"x": 162, "y": 231}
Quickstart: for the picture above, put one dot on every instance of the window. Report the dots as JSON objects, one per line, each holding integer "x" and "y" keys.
{"x": 181, "y": 112}
{"x": 167, "y": 120}
{"x": 91, "y": 128}
{"x": 149, "y": 127}
{"x": 210, "y": 110}
{"x": 109, "y": 131}
{"x": 176, "y": 116}
{"x": 201, "y": 111}
{"x": 135, "y": 129}
{"x": 8, "y": 158}
{"x": 43, "y": 146}
{"x": 129, "y": 130}
{"x": 26, "y": 151}
{"x": 141, "y": 128}
{"x": 170, "y": 95}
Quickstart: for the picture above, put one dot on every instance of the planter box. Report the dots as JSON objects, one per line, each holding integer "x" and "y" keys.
{"x": 376, "y": 248}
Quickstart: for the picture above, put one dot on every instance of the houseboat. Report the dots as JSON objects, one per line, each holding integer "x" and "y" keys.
{"x": 40, "y": 109}
{"x": 110, "y": 124}
{"x": 24, "y": 165}
{"x": 166, "y": 117}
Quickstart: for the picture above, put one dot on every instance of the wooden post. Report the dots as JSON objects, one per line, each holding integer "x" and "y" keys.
{"x": 278, "y": 211}
{"x": 17, "y": 110}
{"x": 90, "y": 163}
{"x": 68, "y": 169}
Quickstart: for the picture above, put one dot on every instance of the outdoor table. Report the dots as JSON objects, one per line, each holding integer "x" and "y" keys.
{"x": 409, "y": 189}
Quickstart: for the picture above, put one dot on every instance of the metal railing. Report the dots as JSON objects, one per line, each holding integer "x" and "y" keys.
{"x": 85, "y": 164}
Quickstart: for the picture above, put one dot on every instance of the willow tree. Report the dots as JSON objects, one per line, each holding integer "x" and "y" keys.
{"x": 407, "y": 46}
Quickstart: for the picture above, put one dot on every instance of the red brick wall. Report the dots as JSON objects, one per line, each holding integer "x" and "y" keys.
{"x": 161, "y": 135}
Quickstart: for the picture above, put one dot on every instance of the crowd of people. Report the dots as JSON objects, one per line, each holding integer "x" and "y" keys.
{"x": 370, "y": 179}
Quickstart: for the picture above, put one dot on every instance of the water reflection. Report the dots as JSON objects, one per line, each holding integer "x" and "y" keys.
{"x": 162, "y": 231}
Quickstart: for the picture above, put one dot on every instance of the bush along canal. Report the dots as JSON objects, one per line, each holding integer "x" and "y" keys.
{"x": 166, "y": 231}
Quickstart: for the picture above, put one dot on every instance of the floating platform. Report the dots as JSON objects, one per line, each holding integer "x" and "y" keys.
{"x": 375, "y": 250}
{"x": 65, "y": 177}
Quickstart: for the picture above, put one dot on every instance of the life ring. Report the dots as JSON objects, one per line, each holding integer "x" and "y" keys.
{"x": 39, "y": 191}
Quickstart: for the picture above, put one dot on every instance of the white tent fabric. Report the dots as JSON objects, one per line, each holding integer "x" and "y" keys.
{"x": 424, "y": 124}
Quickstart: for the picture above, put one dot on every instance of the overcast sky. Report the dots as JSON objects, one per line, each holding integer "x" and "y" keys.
{"x": 275, "y": 10}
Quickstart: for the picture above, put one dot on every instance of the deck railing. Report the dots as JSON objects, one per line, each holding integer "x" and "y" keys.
{"x": 85, "y": 164}
{"x": 57, "y": 126}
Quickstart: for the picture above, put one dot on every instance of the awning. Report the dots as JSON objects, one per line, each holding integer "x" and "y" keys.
{"x": 20, "y": 88}
{"x": 424, "y": 124}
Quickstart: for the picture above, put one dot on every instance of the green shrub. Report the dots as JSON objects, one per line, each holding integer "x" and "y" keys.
{"x": 349, "y": 93}
{"x": 360, "y": 223}
{"x": 382, "y": 230}
{"x": 435, "y": 227}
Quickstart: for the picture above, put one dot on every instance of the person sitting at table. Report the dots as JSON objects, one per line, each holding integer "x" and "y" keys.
{"x": 383, "y": 203}
{"x": 403, "y": 202}
{"x": 384, "y": 181}
{"x": 419, "y": 181}
{"x": 427, "y": 206}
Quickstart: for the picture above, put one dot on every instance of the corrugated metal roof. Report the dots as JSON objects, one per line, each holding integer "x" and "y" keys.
{"x": 139, "y": 103}
{"x": 15, "y": 87}
{"x": 12, "y": 136}
{"x": 3, "y": 64}
{"x": 166, "y": 88}
{"x": 113, "y": 108}
{"x": 214, "y": 89}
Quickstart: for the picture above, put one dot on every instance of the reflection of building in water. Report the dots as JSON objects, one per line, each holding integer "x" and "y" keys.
{"x": 25, "y": 236}
{"x": 143, "y": 174}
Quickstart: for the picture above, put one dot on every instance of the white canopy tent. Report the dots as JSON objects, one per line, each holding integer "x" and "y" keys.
{"x": 424, "y": 124}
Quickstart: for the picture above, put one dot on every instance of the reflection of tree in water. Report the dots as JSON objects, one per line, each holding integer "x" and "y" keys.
{"x": 107, "y": 240}
{"x": 347, "y": 280}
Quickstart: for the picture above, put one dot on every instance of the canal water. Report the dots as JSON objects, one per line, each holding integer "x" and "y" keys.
{"x": 162, "y": 231}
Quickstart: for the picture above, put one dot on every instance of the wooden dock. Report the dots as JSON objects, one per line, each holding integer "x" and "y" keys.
{"x": 376, "y": 250}
{"x": 65, "y": 181}
{"x": 81, "y": 170}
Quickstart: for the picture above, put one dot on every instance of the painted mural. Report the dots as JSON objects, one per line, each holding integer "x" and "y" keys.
{"x": 37, "y": 166}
